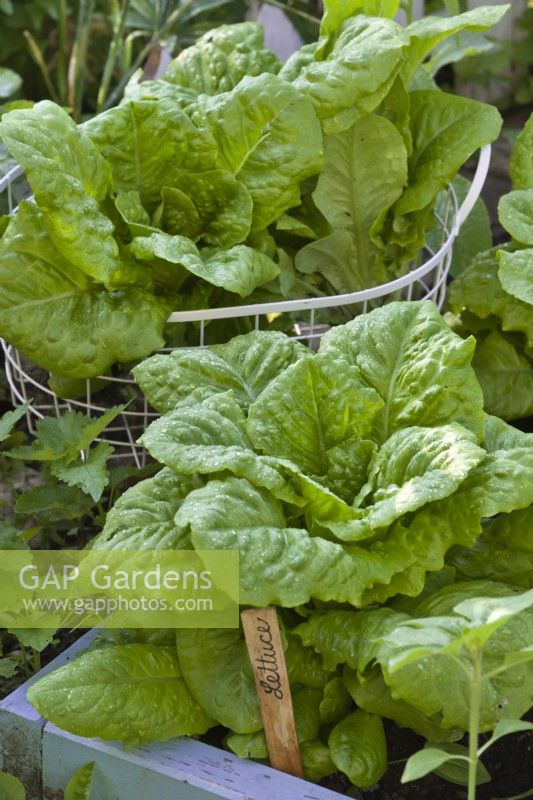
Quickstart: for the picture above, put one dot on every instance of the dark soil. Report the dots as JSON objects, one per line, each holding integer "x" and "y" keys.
{"x": 509, "y": 762}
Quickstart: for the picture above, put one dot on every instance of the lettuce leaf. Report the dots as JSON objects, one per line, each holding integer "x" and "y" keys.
{"x": 221, "y": 58}
{"x": 421, "y": 370}
{"x": 246, "y": 366}
{"x": 57, "y": 318}
{"x": 504, "y": 551}
{"x": 269, "y": 138}
{"x": 357, "y": 73}
{"x": 134, "y": 692}
{"x": 424, "y": 660}
{"x": 70, "y": 179}
{"x": 364, "y": 173}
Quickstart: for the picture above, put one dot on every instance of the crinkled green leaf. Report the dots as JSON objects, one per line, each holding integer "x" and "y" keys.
{"x": 221, "y": 58}
{"x": 358, "y": 748}
{"x": 364, "y": 173}
{"x": 148, "y": 143}
{"x": 221, "y": 212}
{"x": 269, "y": 138}
{"x": 134, "y": 693}
{"x": 240, "y": 269}
{"x": 180, "y": 96}
{"x": 133, "y": 213}
{"x": 316, "y": 760}
{"x": 502, "y": 482}
{"x": 143, "y": 517}
{"x": 336, "y": 702}
{"x": 463, "y": 44}
{"x": 503, "y": 552}
{"x": 515, "y": 212}
{"x": 91, "y": 474}
{"x": 505, "y": 375}
{"x": 372, "y": 694}
{"x": 479, "y": 290}
{"x": 54, "y": 316}
{"x": 246, "y": 366}
{"x": 414, "y": 547}
{"x": 205, "y": 437}
{"x": 336, "y": 12}
{"x": 304, "y": 666}
{"x": 278, "y": 564}
{"x": 413, "y": 467}
{"x": 421, "y": 370}
{"x": 338, "y": 635}
{"x": 521, "y": 164}
{"x": 316, "y": 414}
{"x": 216, "y": 667}
{"x": 70, "y": 179}
{"x": 297, "y": 61}
{"x": 516, "y": 271}
{"x": 426, "y": 33}
{"x": 357, "y": 74}
{"x": 446, "y": 130}
{"x": 65, "y": 436}
{"x": 79, "y": 786}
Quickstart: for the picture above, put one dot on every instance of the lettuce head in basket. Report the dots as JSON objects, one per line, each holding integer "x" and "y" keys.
{"x": 231, "y": 177}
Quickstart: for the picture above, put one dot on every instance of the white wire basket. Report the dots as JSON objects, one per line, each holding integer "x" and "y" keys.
{"x": 310, "y": 318}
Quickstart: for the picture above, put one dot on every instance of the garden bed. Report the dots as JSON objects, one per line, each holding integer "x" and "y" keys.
{"x": 44, "y": 758}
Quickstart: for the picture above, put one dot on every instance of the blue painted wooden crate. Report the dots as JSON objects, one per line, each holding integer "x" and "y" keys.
{"x": 44, "y": 758}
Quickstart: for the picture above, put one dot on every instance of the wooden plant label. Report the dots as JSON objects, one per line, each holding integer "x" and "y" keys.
{"x": 265, "y": 649}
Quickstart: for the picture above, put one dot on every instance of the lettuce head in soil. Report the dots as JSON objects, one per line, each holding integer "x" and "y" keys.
{"x": 371, "y": 500}
{"x": 232, "y": 177}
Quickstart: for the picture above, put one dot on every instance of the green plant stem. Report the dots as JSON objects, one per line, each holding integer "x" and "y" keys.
{"x": 294, "y": 11}
{"x": 172, "y": 20}
{"x": 101, "y": 513}
{"x": 36, "y": 661}
{"x": 78, "y": 58}
{"x": 453, "y": 7}
{"x": 39, "y": 60}
{"x": 473, "y": 727}
{"x": 61, "y": 51}
{"x": 119, "y": 21}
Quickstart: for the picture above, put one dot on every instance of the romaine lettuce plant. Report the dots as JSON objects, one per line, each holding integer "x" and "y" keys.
{"x": 344, "y": 479}
{"x": 232, "y": 177}
{"x": 493, "y": 297}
